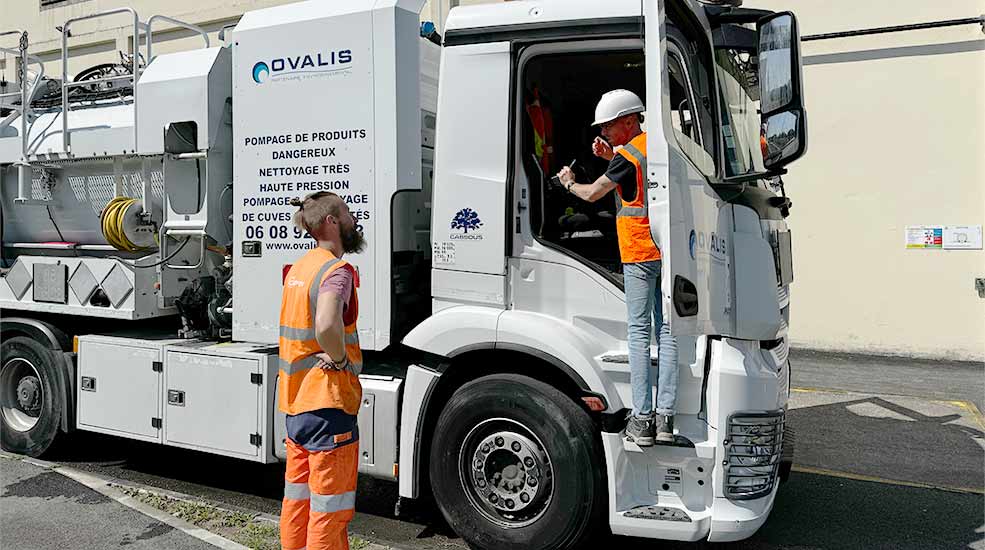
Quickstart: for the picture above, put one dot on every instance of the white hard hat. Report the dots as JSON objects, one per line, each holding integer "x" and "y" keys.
{"x": 615, "y": 104}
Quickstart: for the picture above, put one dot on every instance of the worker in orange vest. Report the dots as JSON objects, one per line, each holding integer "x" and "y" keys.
{"x": 318, "y": 386}
{"x": 618, "y": 114}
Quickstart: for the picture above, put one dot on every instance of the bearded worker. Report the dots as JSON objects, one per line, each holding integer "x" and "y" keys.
{"x": 319, "y": 388}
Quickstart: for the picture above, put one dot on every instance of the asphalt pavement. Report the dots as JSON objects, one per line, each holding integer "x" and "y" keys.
{"x": 44, "y": 510}
{"x": 890, "y": 454}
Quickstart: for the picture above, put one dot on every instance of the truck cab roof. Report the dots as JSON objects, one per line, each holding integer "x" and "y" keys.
{"x": 508, "y": 14}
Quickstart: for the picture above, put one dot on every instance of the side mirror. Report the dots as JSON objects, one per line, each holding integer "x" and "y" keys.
{"x": 784, "y": 120}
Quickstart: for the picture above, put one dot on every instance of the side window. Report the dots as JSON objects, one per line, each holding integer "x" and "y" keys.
{"x": 685, "y": 117}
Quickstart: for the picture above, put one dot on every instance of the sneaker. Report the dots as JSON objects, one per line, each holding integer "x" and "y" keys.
{"x": 664, "y": 428}
{"x": 640, "y": 430}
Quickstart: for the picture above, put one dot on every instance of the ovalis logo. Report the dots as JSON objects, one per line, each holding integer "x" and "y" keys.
{"x": 314, "y": 63}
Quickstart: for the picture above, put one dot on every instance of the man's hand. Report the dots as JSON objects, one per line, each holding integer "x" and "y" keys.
{"x": 325, "y": 361}
{"x": 602, "y": 149}
{"x": 566, "y": 176}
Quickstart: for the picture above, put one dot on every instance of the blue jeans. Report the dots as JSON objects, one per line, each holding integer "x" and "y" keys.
{"x": 642, "y": 282}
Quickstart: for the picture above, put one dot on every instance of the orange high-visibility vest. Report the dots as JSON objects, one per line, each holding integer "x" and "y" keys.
{"x": 301, "y": 387}
{"x": 543, "y": 126}
{"x": 632, "y": 220}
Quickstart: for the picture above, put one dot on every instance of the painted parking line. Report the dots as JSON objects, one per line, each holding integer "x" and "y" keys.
{"x": 881, "y": 406}
{"x": 874, "y": 479}
{"x": 969, "y": 406}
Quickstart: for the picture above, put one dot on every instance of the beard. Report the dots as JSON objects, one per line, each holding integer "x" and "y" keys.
{"x": 352, "y": 241}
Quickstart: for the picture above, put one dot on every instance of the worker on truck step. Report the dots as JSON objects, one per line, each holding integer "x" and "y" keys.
{"x": 318, "y": 387}
{"x": 618, "y": 114}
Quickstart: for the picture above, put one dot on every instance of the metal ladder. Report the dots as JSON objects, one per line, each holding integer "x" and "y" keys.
{"x": 133, "y": 77}
{"x": 24, "y": 111}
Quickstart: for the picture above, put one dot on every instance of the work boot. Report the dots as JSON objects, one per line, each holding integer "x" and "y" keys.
{"x": 664, "y": 428}
{"x": 640, "y": 430}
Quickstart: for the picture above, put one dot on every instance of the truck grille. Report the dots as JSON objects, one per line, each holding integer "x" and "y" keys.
{"x": 752, "y": 454}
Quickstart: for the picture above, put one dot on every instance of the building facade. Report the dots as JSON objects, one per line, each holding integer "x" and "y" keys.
{"x": 897, "y": 131}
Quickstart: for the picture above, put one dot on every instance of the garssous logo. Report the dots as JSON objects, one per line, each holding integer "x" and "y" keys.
{"x": 466, "y": 220}
{"x": 311, "y": 63}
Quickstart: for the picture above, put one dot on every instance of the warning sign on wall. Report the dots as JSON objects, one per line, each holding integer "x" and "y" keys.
{"x": 924, "y": 236}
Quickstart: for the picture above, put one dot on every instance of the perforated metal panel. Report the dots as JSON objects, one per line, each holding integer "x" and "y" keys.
{"x": 40, "y": 190}
{"x": 100, "y": 191}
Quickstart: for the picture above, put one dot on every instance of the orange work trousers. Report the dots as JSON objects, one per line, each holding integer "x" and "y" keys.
{"x": 319, "y": 497}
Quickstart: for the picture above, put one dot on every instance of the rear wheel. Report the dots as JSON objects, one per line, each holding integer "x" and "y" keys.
{"x": 515, "y": 463}
{"x": 30, "y": 406}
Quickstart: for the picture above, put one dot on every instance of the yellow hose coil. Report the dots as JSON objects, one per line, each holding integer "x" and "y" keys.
{"x": 112, "y": 224}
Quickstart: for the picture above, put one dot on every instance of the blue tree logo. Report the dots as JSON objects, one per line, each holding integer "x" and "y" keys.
{"x": 466, "y": 219}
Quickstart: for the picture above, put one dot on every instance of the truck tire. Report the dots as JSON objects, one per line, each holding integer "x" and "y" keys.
{"x": 516, "y": 464}
{"x": 30, "y": 403}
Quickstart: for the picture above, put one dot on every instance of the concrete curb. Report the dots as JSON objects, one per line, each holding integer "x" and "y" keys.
{"x": 106, "y": 488}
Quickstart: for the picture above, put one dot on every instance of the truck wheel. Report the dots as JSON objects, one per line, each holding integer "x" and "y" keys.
{"x": 30, "y": 408}
{"x": 515, "y": 464}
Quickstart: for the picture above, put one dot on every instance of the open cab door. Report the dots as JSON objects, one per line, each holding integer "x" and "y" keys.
{"x": 709, "y": 155}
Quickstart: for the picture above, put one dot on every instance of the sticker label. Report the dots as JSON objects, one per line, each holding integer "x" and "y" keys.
{"x": 443, "y": 253}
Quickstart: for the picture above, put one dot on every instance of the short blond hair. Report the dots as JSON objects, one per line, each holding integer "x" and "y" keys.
{"x": 314, "y": 208}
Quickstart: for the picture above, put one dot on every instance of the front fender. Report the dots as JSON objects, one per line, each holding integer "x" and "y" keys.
{"x": 569, "y": 346}
{"x": 455, "y": 330}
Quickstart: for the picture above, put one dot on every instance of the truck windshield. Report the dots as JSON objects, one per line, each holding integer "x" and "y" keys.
{"x": 740, "y": 112}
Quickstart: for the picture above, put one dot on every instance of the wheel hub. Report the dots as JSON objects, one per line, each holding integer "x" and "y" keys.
{"x": 507, "y": 471}
{"x": 29, "y": 394}
{"x": 21, "y": 394}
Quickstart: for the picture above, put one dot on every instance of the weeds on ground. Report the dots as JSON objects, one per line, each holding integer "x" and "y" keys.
{"x": 246, "y": 529}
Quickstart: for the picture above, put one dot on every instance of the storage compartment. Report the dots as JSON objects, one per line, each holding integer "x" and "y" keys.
{"x": 119, "y": 382}
{"x": 379, "y": 425}
{"x": 378, "y": 420}
{"x": 216, "y": 399}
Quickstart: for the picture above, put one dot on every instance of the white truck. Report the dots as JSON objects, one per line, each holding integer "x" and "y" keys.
{"x": 146, "y": 232}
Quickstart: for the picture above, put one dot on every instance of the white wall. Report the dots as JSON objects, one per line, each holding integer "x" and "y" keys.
{"x": 897, "y": 138}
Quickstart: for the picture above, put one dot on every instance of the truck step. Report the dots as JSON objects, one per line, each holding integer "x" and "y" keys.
{"x": 662, "y": 513}
{"x": 679, "y": 441}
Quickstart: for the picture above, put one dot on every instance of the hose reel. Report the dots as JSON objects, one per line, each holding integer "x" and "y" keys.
{"x": 123, "y": 227}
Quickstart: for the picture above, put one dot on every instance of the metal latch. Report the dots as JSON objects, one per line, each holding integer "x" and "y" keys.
{"x": 255, "y": 440}
{"x": 256, "y": 378}
{"x": 176, "y": 398}
{"x": 157, "y": 366}
{"x": 155, "y": 423}
{"x": 980, "y": 287}
{"x": 88, "y": 383}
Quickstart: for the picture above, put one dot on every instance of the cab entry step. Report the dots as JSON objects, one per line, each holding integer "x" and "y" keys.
{"x": 659, "y": 513}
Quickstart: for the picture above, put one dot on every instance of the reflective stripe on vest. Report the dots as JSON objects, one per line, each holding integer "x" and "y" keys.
{"x": 632, "y": 217}
{"x": 302, "y": 388}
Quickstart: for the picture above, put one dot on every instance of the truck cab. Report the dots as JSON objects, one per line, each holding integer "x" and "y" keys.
{"x": 527, "y": 276}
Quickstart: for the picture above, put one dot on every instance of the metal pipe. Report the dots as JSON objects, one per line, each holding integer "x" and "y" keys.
{"x": 23, "y": 180}
{"x": 189, "y": 26}
{"x": 66, "y": 141}
{"x": 980, "y": 20}
{"x": 190, "y": 156}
